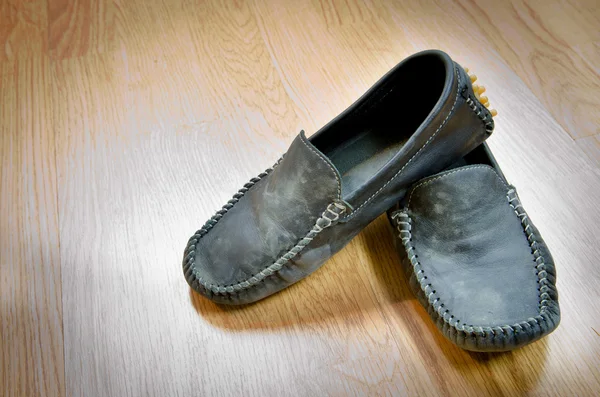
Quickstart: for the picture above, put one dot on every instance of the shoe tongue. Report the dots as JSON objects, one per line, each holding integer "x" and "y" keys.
{"x": 302, "y": 151}
{"x": 306, "y": 174}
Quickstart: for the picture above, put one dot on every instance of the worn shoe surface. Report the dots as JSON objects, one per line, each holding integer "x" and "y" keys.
{"x": 282, "y": 225}
{"x": 474, "y": 258}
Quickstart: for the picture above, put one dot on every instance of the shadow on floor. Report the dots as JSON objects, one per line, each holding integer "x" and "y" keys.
{"x": 362, "y": 277}
{"x": 430, "y": 342}
{"x": 368, "y": 275}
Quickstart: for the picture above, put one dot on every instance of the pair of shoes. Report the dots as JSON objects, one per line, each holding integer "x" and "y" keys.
{"x": 415, "y": 122}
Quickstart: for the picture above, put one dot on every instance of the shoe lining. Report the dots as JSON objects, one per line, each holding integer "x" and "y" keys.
{"x": 363, "y": 142}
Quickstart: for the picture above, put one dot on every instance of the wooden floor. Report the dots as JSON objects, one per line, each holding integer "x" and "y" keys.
{"x": 126, "y": 123}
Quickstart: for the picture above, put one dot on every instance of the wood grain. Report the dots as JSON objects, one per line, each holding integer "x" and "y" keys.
{"x": 591, "y": 146}
{"x": 31, "y": 343}
{"x": 128, "y": 123}
{"x": 456, "y": 369}
{"x": 79, "y": 27}
{"x": 543, "y": 43}
{"x": 23, "y": 28}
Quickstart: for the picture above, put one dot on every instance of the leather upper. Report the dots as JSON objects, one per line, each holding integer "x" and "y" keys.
{"x": 476, "y": 260}
{"x": 471, "y": 244}
{"x": 274, "y": 216}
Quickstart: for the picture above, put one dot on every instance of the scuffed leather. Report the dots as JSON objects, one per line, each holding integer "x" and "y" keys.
{"x": 472, "y": 246}
{"x": 282, "y": 207}
{"x": 461, "y": 132}
{"x": 480, "y": 271}
{"x": 269, "y": 219}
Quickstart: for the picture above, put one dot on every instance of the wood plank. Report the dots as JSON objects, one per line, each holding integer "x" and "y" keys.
{"x": 591, "y": 146}
{"x": 158, "y": 111}
{"x": 527, "y": 139}
{"x": 553, "y": 48}
{"x": 31, "y": 348}
{"x": 79, "y": 27}
{"x": 23, "y": 28}
{"x": 179, "y": 136}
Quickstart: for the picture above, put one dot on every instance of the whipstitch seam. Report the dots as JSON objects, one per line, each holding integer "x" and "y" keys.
{"x": 328, "y": 217}
{"x": 540, "y": 263}
{"x": 483, "y": 116}
{"x": 335, "y": 209}
{"x": 404, "y": 227}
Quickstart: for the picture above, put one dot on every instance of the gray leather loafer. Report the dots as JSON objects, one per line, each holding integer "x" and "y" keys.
{"x": 474, "y": 258}
{"x": 282, "y": 225}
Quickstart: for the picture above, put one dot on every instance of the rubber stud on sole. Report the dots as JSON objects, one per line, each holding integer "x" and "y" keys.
{"x": 478, "y": 90}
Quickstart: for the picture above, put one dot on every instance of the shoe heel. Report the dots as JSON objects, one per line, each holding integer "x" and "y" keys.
{"x": 478, "y": 90}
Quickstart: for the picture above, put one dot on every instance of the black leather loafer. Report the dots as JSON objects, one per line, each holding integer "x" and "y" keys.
{"x": 282, "y": 225}
{"x": 474, "y": 258}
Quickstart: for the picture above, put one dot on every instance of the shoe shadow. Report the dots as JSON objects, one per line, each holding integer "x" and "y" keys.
{"x": 346, "y": 287}
{"x": 304, "y": 304}
{"x": 384, "y": 262}
{"x": 516, "y": 372}
{"x": 430, "y": 341}
{"x": 342, "y": 292}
